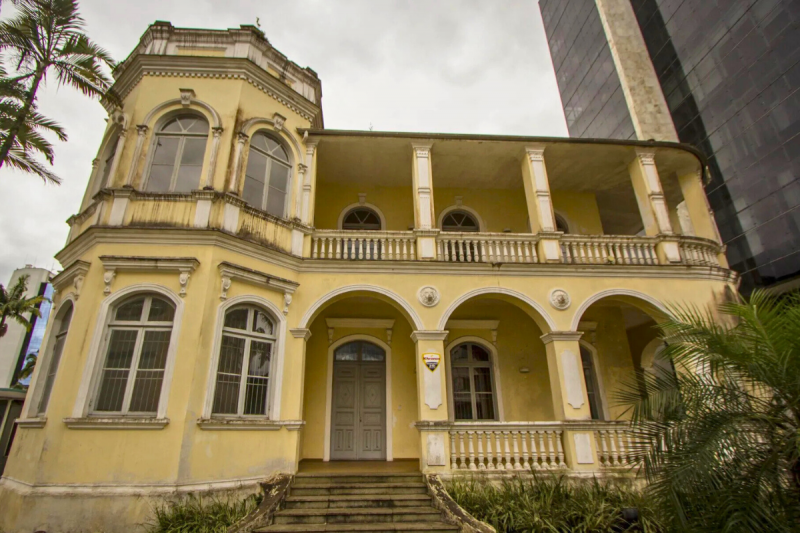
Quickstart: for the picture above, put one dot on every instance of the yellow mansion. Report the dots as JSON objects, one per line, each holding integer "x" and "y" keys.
{"x": 245, "y": 292}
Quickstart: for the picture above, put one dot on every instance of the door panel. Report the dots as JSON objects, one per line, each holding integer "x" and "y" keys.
{"x": 359, "y": 410}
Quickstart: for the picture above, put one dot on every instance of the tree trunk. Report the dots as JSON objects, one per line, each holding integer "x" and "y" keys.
{"x": 23, "y": 115}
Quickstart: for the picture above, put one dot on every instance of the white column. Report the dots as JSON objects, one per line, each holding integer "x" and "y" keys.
{"x": 432, "y": 407}
{"x": 540, "y": 204}
{"x": 212, "y": 161}
{"x": 306, "y": 209}
{"x": 141, "y": 133}
{"x": 653, "y": 205}
{"x": 236, "y": 168}
{"x": 422, "y": 183}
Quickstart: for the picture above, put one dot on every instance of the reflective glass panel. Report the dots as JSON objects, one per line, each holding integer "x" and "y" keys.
{"x": 130, "y": 310}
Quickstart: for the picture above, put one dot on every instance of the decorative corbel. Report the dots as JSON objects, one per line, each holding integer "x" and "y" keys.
{"x": 108, "y": 279}
{"x": 389, "y": 332}
{"x": 330, "y": 335}
{"x": 183, "y": 279}
{"x": 287, "y": 301}
{"x": 77, "y": 284}
{"x": 278, "y": 120}
{"x": 226, "y": 284}
{"x": 362, "y": 198}
{"x": 186, "y": 96}
{"x": 494, "y": 337}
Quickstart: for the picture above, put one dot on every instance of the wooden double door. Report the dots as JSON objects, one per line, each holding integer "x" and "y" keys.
{"x": 358, "y": 410}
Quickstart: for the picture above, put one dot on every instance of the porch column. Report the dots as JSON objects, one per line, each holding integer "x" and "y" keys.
{"x": 424, "y": 213}
{"x": 653, "y": 206}
{"x": 432, "y": 399}
{"x": 293, "y": 387}
{"x": 570, "y": 400}
{"x": 540, "y": 205}
{"x": 698, "y": 209}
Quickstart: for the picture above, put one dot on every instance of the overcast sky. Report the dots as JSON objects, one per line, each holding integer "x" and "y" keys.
{"x": 455, "y": 66}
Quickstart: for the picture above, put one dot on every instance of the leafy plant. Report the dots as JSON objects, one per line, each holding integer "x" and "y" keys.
{"x": 15, "y": 305}
{"x": 196, "y": 514}
{"x": 44, "y": 36}
{"x": 550, "y": 503}
{"x": 719, "y": 440}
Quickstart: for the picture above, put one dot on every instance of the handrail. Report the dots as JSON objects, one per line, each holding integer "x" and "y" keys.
{"x": 609, "y": 250}
{"x": 364, "y": 245}
{"x": 463, "y": 247}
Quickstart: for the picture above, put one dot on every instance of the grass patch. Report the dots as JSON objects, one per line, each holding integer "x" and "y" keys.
{"x": 555, "y": 504}
{"x": 198, "y": 514}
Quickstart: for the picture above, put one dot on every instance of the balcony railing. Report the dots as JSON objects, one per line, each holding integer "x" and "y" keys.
{"x": 699, "y": 252}
{"x": 608, "y": 250}
{"x": 487, "y": 247}
{"x": 506, "y": 446}
{"x": 614, "y": 443}
{"x": 364, "y": 245}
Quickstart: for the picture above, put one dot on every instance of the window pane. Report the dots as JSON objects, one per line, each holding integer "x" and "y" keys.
{"x": 112, "y": 390}
{"x": 194, "y": 124}
{"x": 120, "y": 348}
{"x": 146, "y": 391}
{"x": 154, "y": 350}
{"x": 51, "y": 372}
{"x": 370, "y": 352}
{"x": 591, "y": 383}
{"x": 254, "y": 179}
{"x": 461, "y": 380}
{"x": 463, "y": 406}
{"x": 173, "y": 126}
{"x": 236, "y": 319}
{"x": 483, "y": 380}
{"x": 276, "y": 203}
{"x": 116, "y": 369}
{"x": 262, "y": 323}
{"x": 231, "y": 355}
{"x": 459, "y": 353}
{"x": 191, "y": 164}
{"x": 260, "y": 354}
{"x": 108, "y": 163}
{"x": 255, "y": 400}
{"x": 65, "y": 320}
{"x": 130, "y": 310}
{"x": 226, "y": 395}
{"x": 160, "y": 311}
{"x": 163, "y": 164}
{"x": 479, "y": 353}
{"x": 278, "y": 176}
{"x": 484, "y": 406}
{"x": 348, "y": 352}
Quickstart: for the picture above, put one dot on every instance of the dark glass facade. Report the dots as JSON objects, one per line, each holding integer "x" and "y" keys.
{"x": 729, "y": 70}
{"x": 590, "y": 89}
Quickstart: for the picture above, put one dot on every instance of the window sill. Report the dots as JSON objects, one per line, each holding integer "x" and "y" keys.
{"x": 37, "y": 422}
{"x": 242, "y": 423}
{"x": 118, "y": 422}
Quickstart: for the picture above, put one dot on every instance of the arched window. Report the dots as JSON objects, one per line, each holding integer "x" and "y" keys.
{"x": 132, "y": 375}
{"x": 361, "y": 218}
{"x": 592, "y": 385}
{"x": 561, "y": 224}
{"x": 266, "y": 180}
{"x": 245, "y": 357}
{"x": 460, "y": 220}
{"x": 62, "y": 327}
{"x": 108, "y": 162}
{"x": 177, "y": 161}
{"x": 473, "y": 382}
{"x": 359, "y": 351}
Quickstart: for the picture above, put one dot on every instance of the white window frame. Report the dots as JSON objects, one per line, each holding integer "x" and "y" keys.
{"x": 249, "y": 337}
{"x": 54, "y": 359}
{"x": 494, "y": 366}
{"x": 90, "y": 381}
{"x": 346, "y": 211}
{"x": 157, "y": 133}
{"x": 464, "y": 208}
{"x": 276, "y": 364}
{"x": 602, "y": 406}
{"x": 270, "y": 160}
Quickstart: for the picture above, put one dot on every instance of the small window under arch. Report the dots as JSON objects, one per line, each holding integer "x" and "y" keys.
{"x": 460, "y": 220}
{"x": 561, "y": 224}
{"x": 361, "y": 218}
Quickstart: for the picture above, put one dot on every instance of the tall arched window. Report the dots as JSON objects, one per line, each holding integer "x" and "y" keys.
{"x": 245, "y": 357}
{"x": 62, "y": 327}
{"x": 132, "y": 375}
{"x": 266, "y": 180}
{"x": 361, "y": 218}
{"x": 177, "y": 161}
{"x": 473, "y": 382}
{"x": 108, "y": 161}
{"x": 460, "y": 220}
{"x": 592, "y": 385}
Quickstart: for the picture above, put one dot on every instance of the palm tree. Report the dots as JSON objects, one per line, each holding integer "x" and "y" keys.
{"x": 29, "y": 140}
{"x": 719, "y": 440}
{"x": 45, "y": 36}
{"x": 27, "y": 371}
{"x": 14, "y": 305}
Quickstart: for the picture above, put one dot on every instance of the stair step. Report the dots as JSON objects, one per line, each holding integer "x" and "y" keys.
{"x": 357, "y": 500}
{"x": 319, "y": 489}
{"x": 357, "y": 515}
{"x": 360, "y": 528}
{"x": 337, "y": 478}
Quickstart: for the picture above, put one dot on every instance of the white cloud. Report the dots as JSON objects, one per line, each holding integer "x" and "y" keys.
{"x": 456, "y": 66}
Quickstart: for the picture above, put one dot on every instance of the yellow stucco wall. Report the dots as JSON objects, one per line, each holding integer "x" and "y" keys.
{"x": 580, "y": 211}
{"x": 498, "y": 208}
{"x": 396, "y": 204}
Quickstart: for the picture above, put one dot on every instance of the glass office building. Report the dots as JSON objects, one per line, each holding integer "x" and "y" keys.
{"x": 729, "y": 72}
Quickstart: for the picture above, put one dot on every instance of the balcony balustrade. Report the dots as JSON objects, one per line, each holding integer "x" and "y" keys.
{"x": 487, "y": 247}
{"x": 506, "y": 446}
{"x": 364, "y": 245}
{"x": 608, "y": 250}
{"x": 614, "y": 443}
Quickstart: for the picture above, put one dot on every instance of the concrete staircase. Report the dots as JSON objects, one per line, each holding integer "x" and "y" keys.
{"x": 358, "y": 503}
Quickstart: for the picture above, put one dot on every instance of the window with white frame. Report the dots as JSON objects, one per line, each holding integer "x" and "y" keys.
{"x": 62, "y": 326}
{"x": 108, "y": 162}
{"x": 473, "y": 382}
{"x": 177, "y": 161}
{"x": 460, "y": 220}
{"x": 137, "y": 344}
{"x": 592, "y": 385}
{"x": 245, "y": 356}
{"x": 361, "y": 219}
{"x": 266, "y": 180}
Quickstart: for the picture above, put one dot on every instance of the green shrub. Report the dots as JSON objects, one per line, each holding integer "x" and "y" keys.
{"x": 554, "y": 504}
{"x": 195, "y": 514}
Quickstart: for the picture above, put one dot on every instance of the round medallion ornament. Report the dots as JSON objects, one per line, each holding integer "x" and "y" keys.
{"x": 428, "y": 296}
{"x": 559, "y": 299}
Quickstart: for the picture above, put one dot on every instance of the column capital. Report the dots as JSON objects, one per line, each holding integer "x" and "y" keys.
{"x": 422, "y": 149}
{"x": 535, "y": 152}
{"x": 217, "y": 131}
{"x": 547, "y": 338}
{"x": 645, "y": 156}
{"x": 141, "y": 129}
{"x": 429, "y": 335}
{"x": 241, "y": 137}
{"x": 301, "y": 333}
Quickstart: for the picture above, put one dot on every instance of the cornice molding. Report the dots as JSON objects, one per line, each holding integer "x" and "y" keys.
{"x": 301, "y": 333}
{"x": 429, "y": 335}
{"x": 230, "y": 272}
{"x": 75, "y": 273}
{"x": 244, "y": 423}
{"x": 368, "y": 323}
{"x": 120, "y": 263}
{"x": 472, "y": 324}
{"x": 566, "y": 336}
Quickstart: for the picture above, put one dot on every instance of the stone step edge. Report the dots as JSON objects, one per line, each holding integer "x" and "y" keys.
{"x": 358, "y": 510}
{"x": 357, "y": 497}
{"x": 354, "y": 485}
{"x": 377, "y": 526}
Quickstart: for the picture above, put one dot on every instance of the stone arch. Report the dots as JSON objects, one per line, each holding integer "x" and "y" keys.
{"x": 403, "y": 305}
{"x": 356, "y": 205}
{"x": 197, "y": 105}
{"x": 644, "y": 302}
{"x": 447, "y": 210}
{"x": 251, "y": 127}
{"x": 539, "y": 314}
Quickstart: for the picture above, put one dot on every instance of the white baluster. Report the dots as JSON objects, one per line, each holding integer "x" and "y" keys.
{"x": 514, "y": 437}
{"x": 551, "y": 449}
{"x": 462, "y": 456}
{"x": 471, "y": 446}
{"x": 489, "y": 454}
{"x": 453, "y": 463}
{"x": 483, "y": 251}
{"x": 314, "y": 245}
{"x": 524, "y": 437}
{"x": 534, "y": 453}
{"x": 479, "y": 437}
{"x": 542, "y": 449}
{"x": 507, "y": 451}
{"x": 500, "y": 465}
{"x": 560, "y": 449}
